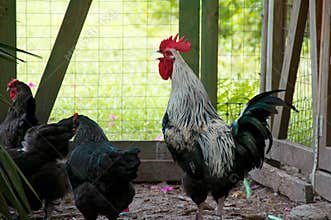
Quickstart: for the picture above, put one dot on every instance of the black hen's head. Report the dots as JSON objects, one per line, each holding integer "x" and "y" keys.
{"x": 18, "y": 90}
{"x": 86, "y": 130}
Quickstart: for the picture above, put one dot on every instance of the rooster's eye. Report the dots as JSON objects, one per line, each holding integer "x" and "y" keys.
{"x": 168, "y": 53}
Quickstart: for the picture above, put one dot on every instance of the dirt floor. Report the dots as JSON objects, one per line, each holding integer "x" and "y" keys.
{"x": 163, "y": 201}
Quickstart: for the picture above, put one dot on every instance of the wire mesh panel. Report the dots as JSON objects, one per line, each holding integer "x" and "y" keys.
{"x": 301, "y": 123}
{"x": 113, "y": 76}
{"x": 239, "y": 54}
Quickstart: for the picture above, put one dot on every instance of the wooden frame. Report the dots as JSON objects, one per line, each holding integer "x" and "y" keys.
{"x": 292, "y": 154}
{"x": 189, "y": 25}
{"x": 313, "y": 162}
{"x": 60, "y": 57}
{"x": 323, "y": 175}
{"x": 209, "y": 48}
{"x": 264, "y": 48}
{"x": 275, "y": 43}
{"x": 7, "y": 36}
{"x": 290, "y": 65}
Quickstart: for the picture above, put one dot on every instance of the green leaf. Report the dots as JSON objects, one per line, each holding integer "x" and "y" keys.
{"x": 10, "y": 195}
{"x": 13, "y": 176}
{"x": 14, "y": 166}
{"x": 4, "y": 207}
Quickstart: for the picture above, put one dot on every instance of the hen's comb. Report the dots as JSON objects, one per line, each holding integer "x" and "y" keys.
{"x": 75, "y": 116}
{"x": 181, "y": 45}
{"x": 12, "y": 83}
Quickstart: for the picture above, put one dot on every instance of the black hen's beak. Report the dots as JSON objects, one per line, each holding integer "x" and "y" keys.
{"x": 158, "y": 51}
{"x": 7, "y": 89}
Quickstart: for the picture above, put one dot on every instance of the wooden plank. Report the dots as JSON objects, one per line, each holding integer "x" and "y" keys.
{"x": 149, "y": 150}
{"x": 275, "y": 43}
{"x": 314, "y": 54}
{"x": 189, "y": 20}
{"x": 324, "y": 161}
{"x": 159, "y": 171}
{"x": 152, "y": 150}
{"x": 7, "y": 36}
{"x": 294, "y": 188}
{"x": 264, "y": 42}
{"x": 290, "y": 65}
{"x": 292, "y": 154}
{"x": 324, "y": 72}
{"x": 323, "y": 183}
{"x": 315, "y": 8}
{"x": 60, "y": 57}
{"x": 209, "y": 48}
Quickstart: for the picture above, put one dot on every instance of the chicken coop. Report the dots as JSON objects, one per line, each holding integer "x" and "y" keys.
{"x": 98, "y": 59}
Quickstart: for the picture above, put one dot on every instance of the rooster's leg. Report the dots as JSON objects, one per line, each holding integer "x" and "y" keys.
{"x": 220, "y": 204}
{"x": 199, "y": 212}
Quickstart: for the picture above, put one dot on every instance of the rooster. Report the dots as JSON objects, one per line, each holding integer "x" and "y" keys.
{"x": 38, "y": 157}
{"x": 213, "y": 155}
{"x": 21, "y": 115}
{"x": 100, "y": 174}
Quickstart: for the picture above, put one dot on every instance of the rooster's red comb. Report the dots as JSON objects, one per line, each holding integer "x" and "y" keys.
{"x": 181, "y": 45}
{"x": 12, "y": 83}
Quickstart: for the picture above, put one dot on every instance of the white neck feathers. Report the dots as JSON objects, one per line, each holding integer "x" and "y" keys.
{"x": 189, "y": 104}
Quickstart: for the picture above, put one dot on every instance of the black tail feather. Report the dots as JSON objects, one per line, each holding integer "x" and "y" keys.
{"x": 251, "y": 128}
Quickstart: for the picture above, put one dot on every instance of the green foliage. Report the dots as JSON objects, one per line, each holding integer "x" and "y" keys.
{"x": 11, "y": 184}
{"x": 8, "y": 52}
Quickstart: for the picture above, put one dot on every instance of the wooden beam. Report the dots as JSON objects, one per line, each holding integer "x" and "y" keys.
{"x": 324, "y": 72}
{"x": 323, "y": 183}
{"x": 276, "y": 42}
{"x": 292, "y": 187}
{"x": 209, "y": 48}
{"x": 314, "y": 52}
{"x": 159, "y": 171}
{"x": 7, "y": 36}
{"x": 60, "y": 57}
{"x": 290, "y": 65}
{"x": 189, "y": 20}
{"x": 292, "y": 154}
{"x": 264, "y": 42}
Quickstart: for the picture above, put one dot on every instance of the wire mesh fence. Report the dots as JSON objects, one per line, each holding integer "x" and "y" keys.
{"x": 113, "y": 76}
{"x": 239, "y": 54}
{"x": 301, "y": 123}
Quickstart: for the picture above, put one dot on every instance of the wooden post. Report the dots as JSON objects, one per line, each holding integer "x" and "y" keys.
{"x": 324, "y": 73}
{"x": 315, "y": 15}
{"x": 264, "y": 42}
{"x": 7, "y": 36}
{"x": 276, "y": 42}
{"x": 209, "y": 48}
{"x": 189, "y": 20}
{"x": 60, "y": 57}
{"x": 315, "y": 10}
{"x": 290, "y": 65}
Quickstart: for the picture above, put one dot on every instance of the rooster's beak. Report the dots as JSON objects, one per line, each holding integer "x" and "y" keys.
{"x": 158, "y": 51}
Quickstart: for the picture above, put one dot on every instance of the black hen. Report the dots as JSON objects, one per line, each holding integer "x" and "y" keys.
{"x": 20, "y": 116}
{"x": 100, "y": 174}
{"x": 38, "y": 158}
